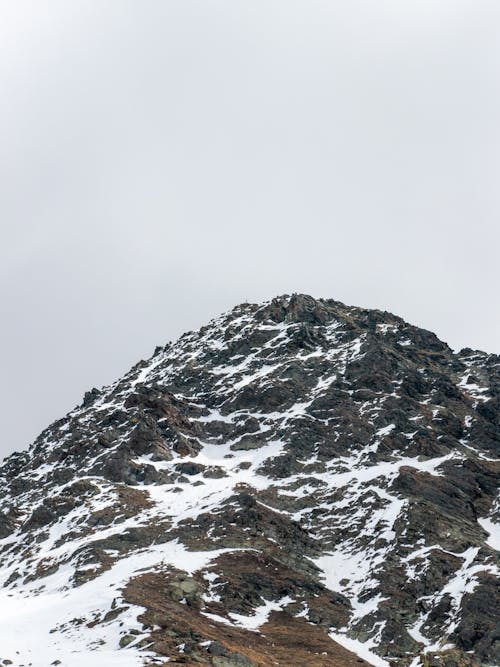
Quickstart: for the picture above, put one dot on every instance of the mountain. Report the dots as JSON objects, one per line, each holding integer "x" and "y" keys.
{"x": 298, "y": 483}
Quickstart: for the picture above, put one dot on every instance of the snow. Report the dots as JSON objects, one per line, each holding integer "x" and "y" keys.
{"x": 349, "y": 573}
{"x": 386, "y": 430}
{"x": 28, "y": 620}
{"x": 386, "y": 328}
{"x": 217, "y": 618}
{"x": 358, "y": 473}
{"x": 363, "y": 650}
{"x": 253, "y": 622}
{"x": 260, "y": 615}
{"x": 214, "y": 415}
{"x": 473, "y": 388}
{"x": 493, "y": 530}
{"x": 184, "y": 500}
{"x": 415, "y": 630}
{"x": 351, "y": 493}
{"x": 463, "y": 581}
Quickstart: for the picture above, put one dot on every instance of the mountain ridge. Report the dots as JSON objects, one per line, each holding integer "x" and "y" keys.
{"x": 298, "y": 468}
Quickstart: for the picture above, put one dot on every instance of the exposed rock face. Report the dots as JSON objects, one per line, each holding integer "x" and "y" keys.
{"x": 294, "y": 477}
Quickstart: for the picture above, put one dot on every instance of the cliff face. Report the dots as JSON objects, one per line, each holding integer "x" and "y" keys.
{"x": 297, "y": 483}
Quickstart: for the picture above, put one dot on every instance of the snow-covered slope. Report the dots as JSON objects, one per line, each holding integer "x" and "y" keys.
{"x": 294, "y": 478}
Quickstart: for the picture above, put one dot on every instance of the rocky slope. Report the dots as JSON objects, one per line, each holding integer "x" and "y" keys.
{"x": 297, "y": 483}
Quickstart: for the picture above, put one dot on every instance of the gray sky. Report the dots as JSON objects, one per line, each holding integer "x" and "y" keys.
{"x": 164, "y": 160}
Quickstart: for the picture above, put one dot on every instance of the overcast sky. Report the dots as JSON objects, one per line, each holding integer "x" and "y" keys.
{"x": 161, "y": 161}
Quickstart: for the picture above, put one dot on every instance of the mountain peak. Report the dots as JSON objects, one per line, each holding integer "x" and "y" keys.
{"x": 296, "y": 475}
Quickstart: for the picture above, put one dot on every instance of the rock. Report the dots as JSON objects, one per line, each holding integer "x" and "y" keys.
{"x": 217, "y": 649}
{"x": 126, "y": 640}
{"x": 449, "y": 658}
{"x": 332, "y": 465}
{"x": 248, "y": 442}
{"x": 190, "y": 468}
{"x": 186, "y": 588}
{"x": 7, "y": 525}
{"x": 40, "y": 517}
{"x": 90, "y": 397}
{"x": 232, "y": 660}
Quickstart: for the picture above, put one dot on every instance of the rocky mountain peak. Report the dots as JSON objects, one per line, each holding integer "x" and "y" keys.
{"x": 298, "y": 482}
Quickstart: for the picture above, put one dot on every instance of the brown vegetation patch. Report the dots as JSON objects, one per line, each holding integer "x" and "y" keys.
{"x": 181, "y": 632}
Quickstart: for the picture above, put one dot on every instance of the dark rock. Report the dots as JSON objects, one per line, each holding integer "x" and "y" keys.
{"x": 386, "y": 461}
{"x": 232, "y": 660}
{"x": 40, "y": 517}
{"x": 190, "y": 468}
{"x": 217, "y": 649}
{"x": 7, "y": 525}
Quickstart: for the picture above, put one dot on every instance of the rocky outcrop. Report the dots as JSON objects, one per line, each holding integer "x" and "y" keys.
{"x": 295, "y": 474}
